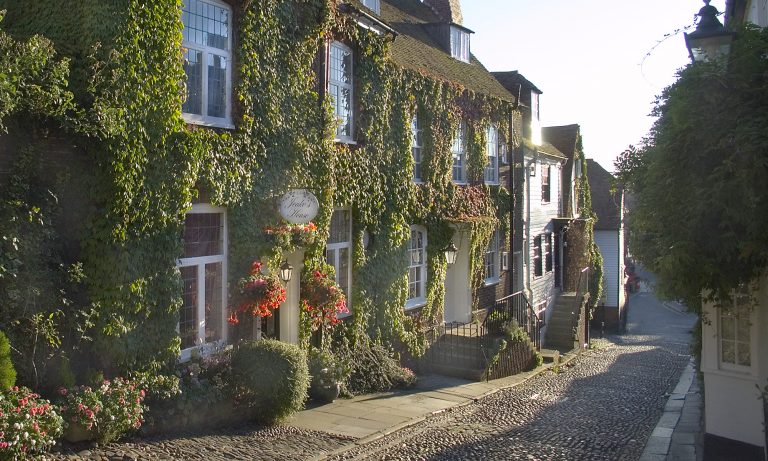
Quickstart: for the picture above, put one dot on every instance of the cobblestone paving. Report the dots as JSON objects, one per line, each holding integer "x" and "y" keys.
{"x": 248, "y": 443}
{"x": 601, "y": 407}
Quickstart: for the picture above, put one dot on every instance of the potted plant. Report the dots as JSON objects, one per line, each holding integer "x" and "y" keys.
{"x": 327, "y": 375}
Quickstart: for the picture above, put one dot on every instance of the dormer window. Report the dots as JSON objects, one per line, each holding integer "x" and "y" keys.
{"x": 459, "y": 44}
{"x": 373, "y": 5}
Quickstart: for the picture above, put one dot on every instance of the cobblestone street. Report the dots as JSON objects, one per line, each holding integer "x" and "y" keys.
{"x": 601, "y": 406}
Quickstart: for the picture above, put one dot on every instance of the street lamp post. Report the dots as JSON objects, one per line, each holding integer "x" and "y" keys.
{"x": 711, "y": 39}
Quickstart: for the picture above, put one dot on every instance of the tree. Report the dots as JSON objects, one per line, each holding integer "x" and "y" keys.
{"x": 700, "y": 178}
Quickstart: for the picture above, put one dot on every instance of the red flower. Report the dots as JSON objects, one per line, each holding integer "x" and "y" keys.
{"x": 233, "y": 320}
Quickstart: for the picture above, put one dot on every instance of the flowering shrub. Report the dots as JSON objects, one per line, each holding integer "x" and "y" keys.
{"x": 309, "y": 229}
{"x": 110, "y": 410}
{"x": 322, "y": 299}
{"x": 258, "y": 294}
{"x": 28, "y": 423}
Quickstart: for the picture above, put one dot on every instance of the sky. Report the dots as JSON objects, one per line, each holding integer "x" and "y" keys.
{"x": 590, "y": 58}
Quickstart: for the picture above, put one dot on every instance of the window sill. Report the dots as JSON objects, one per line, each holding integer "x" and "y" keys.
{"x": 745, "y": 374}
{"x": 204, "y": 350}
{"x": 491, "y": 281}
{"x": 349, "y": 141}
{"x": 415, "y": 304}
{"x": 459, "y": 183}
{"x": 193, "y": 119}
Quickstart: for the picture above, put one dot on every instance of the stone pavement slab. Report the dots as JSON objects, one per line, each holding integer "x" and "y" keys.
{"x": 678, "y": 434}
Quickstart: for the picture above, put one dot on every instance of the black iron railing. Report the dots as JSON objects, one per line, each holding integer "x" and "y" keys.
{"x": 514, "y": 307}
{"x": 469, "y": 344}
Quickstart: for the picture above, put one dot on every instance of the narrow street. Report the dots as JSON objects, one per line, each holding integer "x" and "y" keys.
{"x": 601, "y": 407}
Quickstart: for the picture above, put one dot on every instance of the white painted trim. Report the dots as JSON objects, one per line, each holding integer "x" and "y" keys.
{"x": 200, "y": 263}
{"x": 202, "y": 119}
{"x": 421, "y": 300}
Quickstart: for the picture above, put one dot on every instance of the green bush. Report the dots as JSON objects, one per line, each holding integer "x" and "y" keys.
{"x": 199, "y": 396}
{"x": 373, "y": 368}
{"x": 7, "y": 372}
{"x": 271, "y": 378}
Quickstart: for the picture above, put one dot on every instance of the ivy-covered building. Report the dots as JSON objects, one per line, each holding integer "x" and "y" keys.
{"x": 138, "y": 207}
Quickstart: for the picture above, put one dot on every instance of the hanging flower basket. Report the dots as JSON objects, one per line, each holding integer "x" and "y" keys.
{"x": 258, "y": 295}
{"x": 295, "y": 234}
{"x": 322, "y": 299}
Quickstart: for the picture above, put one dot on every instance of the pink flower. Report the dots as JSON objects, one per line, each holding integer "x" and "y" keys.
{"x": 62, "y": 391}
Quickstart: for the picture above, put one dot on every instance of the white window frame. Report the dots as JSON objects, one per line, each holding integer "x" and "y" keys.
{"x": 421, "y": 268}
{"x": 200, "y": 263}
{"x": 335, "y": 248}
{"x": 373, "y": 5}
{"x": 538, "y": 256}
{"x": 344, "y": 138}
{"x": 546, "y": 168}
{"x": 492, "y": 150}
{"x": 739, "y": 311}
{"x": 417, "y": 144}
{"x": 459, "y": 44}
{"x": 203, "y": 119}
{"x": 492, "y": 259}
{"x": 459, "y": 154}
{"x": 548, "y": 253}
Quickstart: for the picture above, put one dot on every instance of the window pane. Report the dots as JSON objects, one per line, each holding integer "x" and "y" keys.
{"x": 728, "y": 351}
{"x": 206, "y": 24}
{"x": 213, "y": 302}
{"x": 217, "y": 86}
{"x": 193, "y": 67}
{"x": 203, "y": 234}
{"x": 458, "y": 152}
{"x": 340, "y": 226}
{"x": 342, "y": 270}
{"x": 417, "y": 262}
{"x": 188, "y": 312}
{"x": 743, "y": 356}
{"x": 344, "y": 112}
{"x": 727, "y": 327}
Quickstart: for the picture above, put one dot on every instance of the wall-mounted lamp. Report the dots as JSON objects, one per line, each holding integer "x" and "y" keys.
{"x": 450, "y": 253}
{"x": 711, "y": 39}
{"x": 286, "y": 272}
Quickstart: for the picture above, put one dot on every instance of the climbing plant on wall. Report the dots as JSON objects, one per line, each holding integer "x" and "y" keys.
{"x": 148, "y": 166}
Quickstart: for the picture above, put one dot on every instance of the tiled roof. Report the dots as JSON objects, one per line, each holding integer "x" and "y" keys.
{"x": 549, "y": 149}
{"x": 562, "y": 137}
{"x": 513, "y": 78}
{"x": 605, "y": 203}
{"x": 415, "y": 49}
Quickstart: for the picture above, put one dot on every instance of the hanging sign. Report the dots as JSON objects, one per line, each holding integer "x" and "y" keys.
{"x": 299, "y": 206}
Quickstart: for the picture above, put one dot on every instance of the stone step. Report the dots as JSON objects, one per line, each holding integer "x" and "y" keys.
{"x": 473, "y": 374}
{"x": 550, "y": 355}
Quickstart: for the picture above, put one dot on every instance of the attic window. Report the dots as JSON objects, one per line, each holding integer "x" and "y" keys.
{"x": 373, "y": 5}
{"x": 459, "y": 44}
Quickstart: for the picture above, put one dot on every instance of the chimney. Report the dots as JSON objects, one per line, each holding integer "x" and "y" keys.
{"x": 448, "y": 10}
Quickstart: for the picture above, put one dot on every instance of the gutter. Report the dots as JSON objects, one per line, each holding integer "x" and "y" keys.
{"x": 367, "y": 20}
